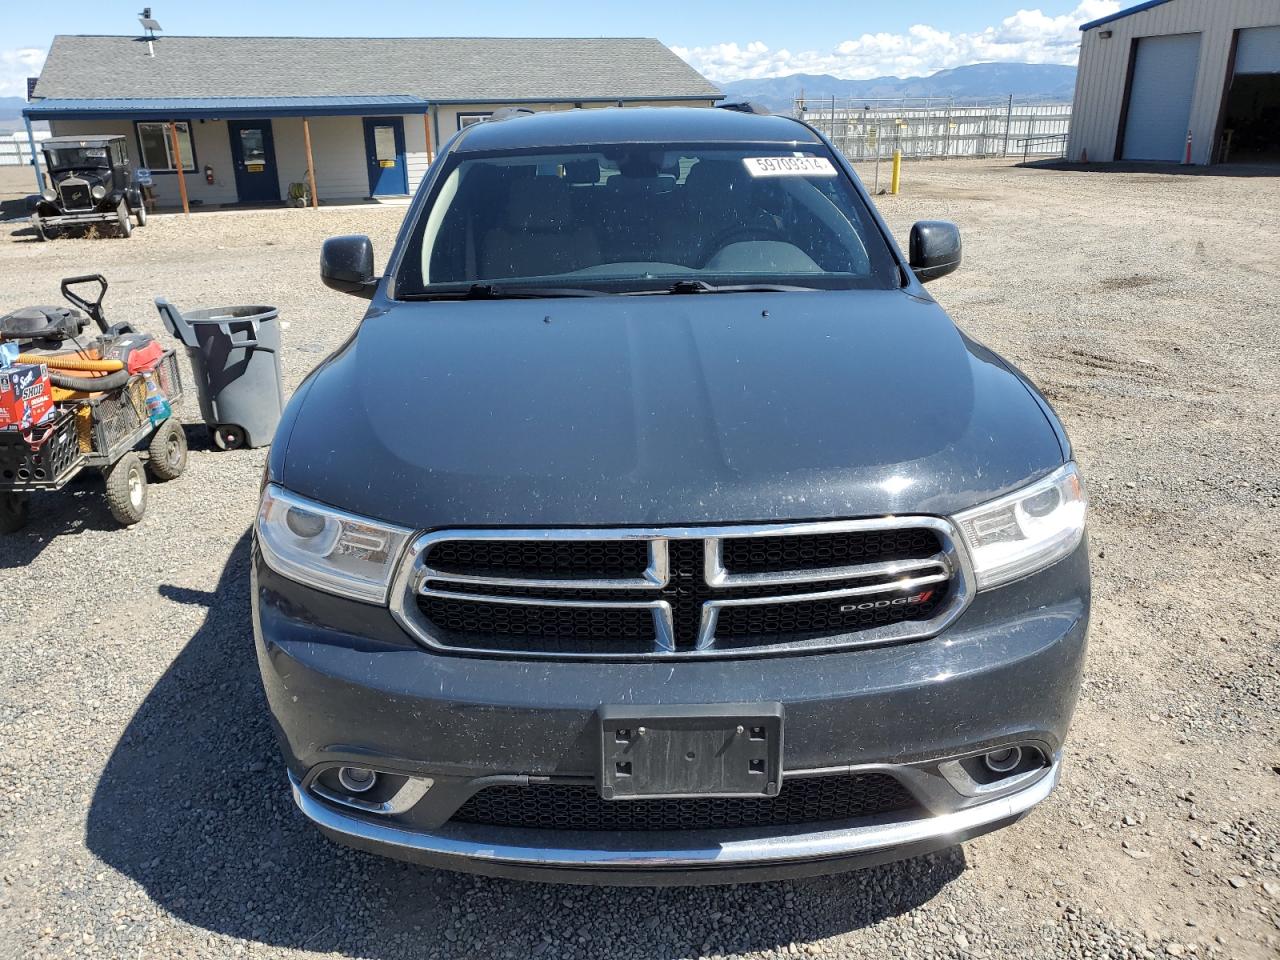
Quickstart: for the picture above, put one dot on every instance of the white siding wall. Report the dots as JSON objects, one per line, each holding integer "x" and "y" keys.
{"x": 337, "y": 145}
{"x": 212, "y": 147}
{"x": 1104, "y": 65}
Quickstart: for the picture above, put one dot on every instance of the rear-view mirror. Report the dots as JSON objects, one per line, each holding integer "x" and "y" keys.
{"x": 935, "y": 249}
{"x": 346, "y": 264}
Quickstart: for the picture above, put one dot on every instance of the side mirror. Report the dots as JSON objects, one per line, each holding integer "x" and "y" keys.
{"x": 935, "y": 249}
{"x": 346, "y": 265}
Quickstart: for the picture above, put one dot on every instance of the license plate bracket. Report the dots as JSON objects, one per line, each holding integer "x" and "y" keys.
{"x": 690, "y": 750}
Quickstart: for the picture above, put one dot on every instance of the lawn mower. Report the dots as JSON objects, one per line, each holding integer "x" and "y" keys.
{"x": 71, "y": 400}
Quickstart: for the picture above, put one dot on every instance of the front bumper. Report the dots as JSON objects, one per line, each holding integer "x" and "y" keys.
{"x": 62, "y": 219}
{"x": 687, "y": 857}
{"x": 346, "y": 685}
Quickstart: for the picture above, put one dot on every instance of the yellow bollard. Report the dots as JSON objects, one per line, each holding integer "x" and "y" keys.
{"x": 895, "y": 182}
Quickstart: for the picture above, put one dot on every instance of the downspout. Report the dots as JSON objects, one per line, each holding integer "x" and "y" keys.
{"x": 435, "y": 127}
{"x": 35, "y": 159}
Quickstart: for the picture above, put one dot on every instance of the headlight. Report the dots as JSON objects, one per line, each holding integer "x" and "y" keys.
{"x": 98, "y": 192}
{"x": 49, "y": 194}
{"x": 1027, "y": 530}
{"x": 327, "y": 548}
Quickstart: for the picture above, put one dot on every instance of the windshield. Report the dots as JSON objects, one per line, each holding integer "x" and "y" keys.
{"x": 635, "y": 218}
{"x": 76, "y": 158}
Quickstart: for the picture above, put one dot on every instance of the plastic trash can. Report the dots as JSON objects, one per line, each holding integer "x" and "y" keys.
{"x": 235, "y": 356}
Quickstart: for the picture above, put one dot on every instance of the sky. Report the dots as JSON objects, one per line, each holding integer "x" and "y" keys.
{"x": 724, "y": 39}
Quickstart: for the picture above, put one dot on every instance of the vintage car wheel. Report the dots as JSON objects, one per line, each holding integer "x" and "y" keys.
{"x": 122, "y": 219}
{"x": 141, "y": 213}
{"x": 38, "y": 226}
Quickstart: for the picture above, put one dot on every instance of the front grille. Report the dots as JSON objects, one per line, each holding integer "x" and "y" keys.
{"x": 700, "y": 592}
{"x": 569, "y": 630}
{"x": 541, "y": 558}
{"x": 803, "y": 800}
{"x": 820, "y": 550}
{"x": 75, "y": 195}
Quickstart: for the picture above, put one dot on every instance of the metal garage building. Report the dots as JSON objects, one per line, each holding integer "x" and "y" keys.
{"x": 1182, "y": 81}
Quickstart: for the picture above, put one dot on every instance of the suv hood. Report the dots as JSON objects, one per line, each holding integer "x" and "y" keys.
{"x": 661, "y": 410}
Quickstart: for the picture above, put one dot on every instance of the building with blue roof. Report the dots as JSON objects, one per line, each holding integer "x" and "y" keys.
{"x": 241, "y": 119}
{"x": 1180, "y": 81}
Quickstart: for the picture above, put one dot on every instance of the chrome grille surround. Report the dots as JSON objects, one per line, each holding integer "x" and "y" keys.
{"x": 415, "y": 580}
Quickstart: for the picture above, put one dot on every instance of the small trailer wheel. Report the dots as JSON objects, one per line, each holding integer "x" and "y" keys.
{"x": 15, "y": 511}
{"x": 127, "y": 489}
{"x": 228, "y": 436}
{"x": 123, "y": 223}
{"x": 167, "y": 451}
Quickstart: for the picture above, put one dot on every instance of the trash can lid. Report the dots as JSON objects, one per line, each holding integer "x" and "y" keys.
{"x": 223, "y": 314}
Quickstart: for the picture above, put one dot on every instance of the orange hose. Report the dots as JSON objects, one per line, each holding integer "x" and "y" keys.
{"x": 67, "y": 362}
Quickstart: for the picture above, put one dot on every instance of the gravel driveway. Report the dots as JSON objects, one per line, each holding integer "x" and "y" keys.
{"x": 144, "y": 811}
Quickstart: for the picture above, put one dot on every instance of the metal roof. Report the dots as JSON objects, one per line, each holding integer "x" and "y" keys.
{"x": 81, "y": 141}
{"x": 224, "y": 108}
{"x": 1121, "y": 14}
{"x": 439, "y": 69}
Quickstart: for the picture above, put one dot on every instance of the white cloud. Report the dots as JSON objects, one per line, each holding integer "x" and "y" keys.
{"x": 1029, "y": 36}
{"x": 15, "y": 66}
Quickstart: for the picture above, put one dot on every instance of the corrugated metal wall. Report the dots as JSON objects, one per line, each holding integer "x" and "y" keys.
{"x": 1104, "y": 68}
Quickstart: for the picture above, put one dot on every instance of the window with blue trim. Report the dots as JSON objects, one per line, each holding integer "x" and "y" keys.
{"x": 155, "y": 146}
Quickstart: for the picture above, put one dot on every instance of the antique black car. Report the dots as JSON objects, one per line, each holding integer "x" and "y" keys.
{"x": 90, "y": 181}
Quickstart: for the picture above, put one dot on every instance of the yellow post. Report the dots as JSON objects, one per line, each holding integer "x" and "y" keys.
{"x": 895, "y": 182}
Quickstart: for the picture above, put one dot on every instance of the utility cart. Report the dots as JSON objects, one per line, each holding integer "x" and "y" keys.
{"x": 103, "y": 429}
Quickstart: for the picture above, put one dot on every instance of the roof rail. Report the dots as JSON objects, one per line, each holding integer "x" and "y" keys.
{"x": 510, "y": 113}
{"x": 745, "y": 106}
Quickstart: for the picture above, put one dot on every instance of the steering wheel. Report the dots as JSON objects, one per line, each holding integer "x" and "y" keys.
{"x": 738, "y": 235}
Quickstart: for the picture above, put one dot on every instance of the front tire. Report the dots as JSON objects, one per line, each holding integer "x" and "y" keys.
{"x": 38, "y": 226}
{"x": 127, "y": 489}
{"x": 167, "y": 452}
{"x": 123, "y": 223}
{"x": 141, "y": 213}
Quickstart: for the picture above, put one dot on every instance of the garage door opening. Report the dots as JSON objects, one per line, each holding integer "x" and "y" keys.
{"x": 1251, "y": 115}
{"x": 1251, "y": 124}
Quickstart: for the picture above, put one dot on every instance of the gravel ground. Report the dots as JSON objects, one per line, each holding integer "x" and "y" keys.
{"x": 144, "y": 812}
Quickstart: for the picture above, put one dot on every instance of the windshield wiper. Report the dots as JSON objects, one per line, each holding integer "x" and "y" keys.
{"x": 701, "y": 286}
{"x": 491, "y": 291}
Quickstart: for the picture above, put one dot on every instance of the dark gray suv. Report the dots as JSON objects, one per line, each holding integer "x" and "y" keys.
{"x": 656, "y": 525}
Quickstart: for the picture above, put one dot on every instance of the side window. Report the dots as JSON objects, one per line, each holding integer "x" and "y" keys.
{"x": 156, "y": 144}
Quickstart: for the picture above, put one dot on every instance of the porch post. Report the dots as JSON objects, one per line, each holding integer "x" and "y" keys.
{"x": 35, "y": 160}
{"x": 311, "y": 164}
{"x": 177, "y": 161}
{"x": 426, "y": 129}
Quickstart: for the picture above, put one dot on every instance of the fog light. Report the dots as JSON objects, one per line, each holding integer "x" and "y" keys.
{"x": 356, "y": 779}
{"x": 1002, "y": 761}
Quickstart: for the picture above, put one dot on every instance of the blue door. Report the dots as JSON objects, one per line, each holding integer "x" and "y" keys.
{"x": 384, "y": 148}
{"x": 253, "y": 152}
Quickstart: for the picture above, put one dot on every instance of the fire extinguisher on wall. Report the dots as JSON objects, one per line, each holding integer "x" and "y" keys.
{"x": 208, "y": 174}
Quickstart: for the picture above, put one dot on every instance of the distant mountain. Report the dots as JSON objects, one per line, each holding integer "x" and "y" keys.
{"x": 11, "y": 115}
{"x": 978, "y": 81}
